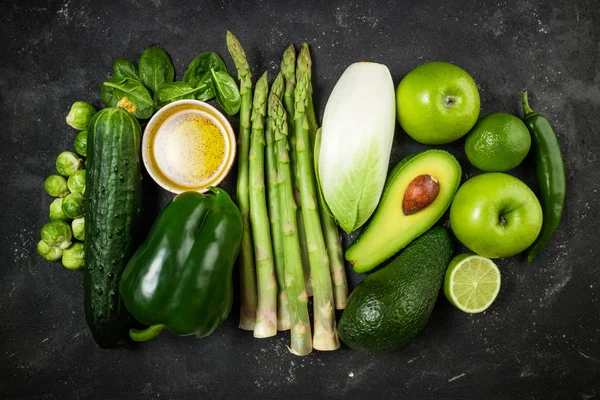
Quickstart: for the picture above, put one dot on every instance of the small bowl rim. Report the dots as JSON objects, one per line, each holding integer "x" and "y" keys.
{"x": 230, "y": 152}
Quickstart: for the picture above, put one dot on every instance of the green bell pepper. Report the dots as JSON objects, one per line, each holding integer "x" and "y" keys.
{"x": 181, "y": 276}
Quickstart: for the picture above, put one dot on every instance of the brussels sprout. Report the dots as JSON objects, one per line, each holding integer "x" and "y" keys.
{"x": 78, "y": 226}
{"x": 56, "y": 211}
{"x": 68, "y": 162}
{"x": 76, "y": 182}
{"x": 57, "y": 233}
{"x": 49, "y": 253}
{"x": 80, "y": 115}
{"x": 56, "y": 186}
{"x": 73, "y": 257}
{"x": 81, "y": 143}
{"x": 72, "y": 205}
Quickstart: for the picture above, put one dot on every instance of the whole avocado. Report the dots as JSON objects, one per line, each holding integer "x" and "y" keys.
{"x": 392, "y": 305}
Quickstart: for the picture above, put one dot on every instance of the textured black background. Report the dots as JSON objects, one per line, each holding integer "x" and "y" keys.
{"x": 540, "y": 339}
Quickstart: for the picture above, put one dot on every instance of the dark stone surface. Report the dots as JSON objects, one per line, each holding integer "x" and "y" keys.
{"x": 541, "y": 339}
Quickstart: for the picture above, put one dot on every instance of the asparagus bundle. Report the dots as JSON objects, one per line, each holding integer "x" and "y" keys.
{"x": 288, "y": 66}
{"x": 330, "y": 230}
{"x": 248, "y": 295}
{"x": 301, "y": 342}
{"x": 283, "y": 314}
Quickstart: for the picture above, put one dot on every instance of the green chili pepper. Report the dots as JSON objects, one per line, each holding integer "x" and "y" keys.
{"x": 180, "y": 278}
{"x": 550, "y": 174}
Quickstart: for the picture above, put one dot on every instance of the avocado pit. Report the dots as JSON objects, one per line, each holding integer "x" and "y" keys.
{"x": 420, "y": 193}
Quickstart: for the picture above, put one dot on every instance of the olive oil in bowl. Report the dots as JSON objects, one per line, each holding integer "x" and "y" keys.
{"x": 188, "y": 145}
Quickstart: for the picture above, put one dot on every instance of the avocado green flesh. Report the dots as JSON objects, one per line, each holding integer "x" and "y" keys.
{"x": 391, "y": 306}
{"x": 390, "y": 230}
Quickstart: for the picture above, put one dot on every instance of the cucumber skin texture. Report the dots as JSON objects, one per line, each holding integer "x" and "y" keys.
{"x": 112, "y": 210}
{"x": 392, "y": 305}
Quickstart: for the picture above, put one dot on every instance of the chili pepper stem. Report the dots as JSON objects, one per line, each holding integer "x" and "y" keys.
{"x": 142, "y": 335}
{"x": 526, "y": 109}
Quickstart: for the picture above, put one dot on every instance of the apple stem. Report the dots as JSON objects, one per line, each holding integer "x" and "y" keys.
{"x": 526, "y": 109}
{"x": 502, "y": 219}
{"x": 449, "y": 101}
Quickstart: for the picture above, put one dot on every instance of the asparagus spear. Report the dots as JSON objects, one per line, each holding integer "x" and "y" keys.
{"x": 248, "y": 296}
{"x": 283, "y": 313}
{"x": 266, "y": 313}
{"x": 288, "y": 65}
{"x": 330, "y": 229}
{"x": 301, "y": 341}
{"x": 325, "y": 333}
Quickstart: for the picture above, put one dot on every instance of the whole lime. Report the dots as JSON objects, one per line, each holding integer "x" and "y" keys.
{"x": 498, "y": 142}
{"x": 437, "y": 103}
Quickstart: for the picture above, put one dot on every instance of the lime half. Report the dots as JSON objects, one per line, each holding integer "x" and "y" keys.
{"x": 472, "y": 282}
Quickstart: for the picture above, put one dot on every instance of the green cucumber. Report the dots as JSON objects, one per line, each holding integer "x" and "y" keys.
{"x": 112, "y": 209}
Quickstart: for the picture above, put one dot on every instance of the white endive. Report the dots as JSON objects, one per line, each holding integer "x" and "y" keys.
{"x": 356, "y": 142}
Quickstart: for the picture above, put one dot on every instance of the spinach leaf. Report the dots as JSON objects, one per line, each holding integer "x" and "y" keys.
{"x": 169, "y": 92}
{"x": 116, "y": 88}
{"x": 199, "y": 69}
{"x": 156, "y": 68}
{"x": 125, "y": 69}
{"x": 227, "y": 92}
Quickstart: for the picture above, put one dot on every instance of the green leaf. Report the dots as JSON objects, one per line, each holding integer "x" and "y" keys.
{"x": 125, "y": 69}
{"x": 226, "y": 91}
{"x": 116, "y": 88}
{"x": 200, "y": 66}
{"x": 156, "y": 68}
{"x": 169, "y": 92}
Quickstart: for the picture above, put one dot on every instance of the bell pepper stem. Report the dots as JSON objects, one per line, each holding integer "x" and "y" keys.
{"x": 142, "y": 335}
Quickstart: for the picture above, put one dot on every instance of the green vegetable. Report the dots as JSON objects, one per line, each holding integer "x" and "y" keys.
{"x": 80, "y": 115}
{"x": 248, "y": 298}
{"x": 155, "y": 68}
{"x": 325, "y": 333}
{"x": 125, "y": 69}
{"x": 112, "y": 209}
{"x": 50, "y": 253}
{"x": 56, "y": 211}
{"x": 333, "y": 241}
{"x": 199, "y": 70}
{"x": 188, "y": 258}
{"x": 56, "y": 186}
{"x": 356, "y": 142}
{"x": 78, "y": 228}
{"x": 301, "y": 341}
{"x": 266, "y": 314}
{"x": 392, "y": 305}
{"x": 81, "y": 143}
{"x": 72, "y": 205}
{"x": 67, "y": 163}
{"x": 57, "y": 233}
{"x": 169, "y": 92}
{"x": 74, "y": 256}
{"x": 76, "y": 182}
{"x": 283, "y": 312}
{"x": 550, "y": 172}
{"x": 128, "y": 93}
{"x": 227, "y": 92}
{"x": 288, "y": 67}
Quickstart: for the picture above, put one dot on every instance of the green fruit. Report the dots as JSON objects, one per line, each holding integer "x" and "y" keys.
{"x": 437, "y": 103}
{"x": 498, "y": 142}
{"x": 112, "y": 208}
{"x": 391, "y": 306}
{"x": 495, "y": 215}
{"x": 472, "y": 283}
{"x": 392, "y": 227}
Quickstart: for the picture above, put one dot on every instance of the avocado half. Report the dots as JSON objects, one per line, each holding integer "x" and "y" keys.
{"x": 390, "y": 229}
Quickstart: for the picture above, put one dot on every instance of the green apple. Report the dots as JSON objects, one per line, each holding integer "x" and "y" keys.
{"x": 437, "y": 103}
{"x": 495, "y": 215}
